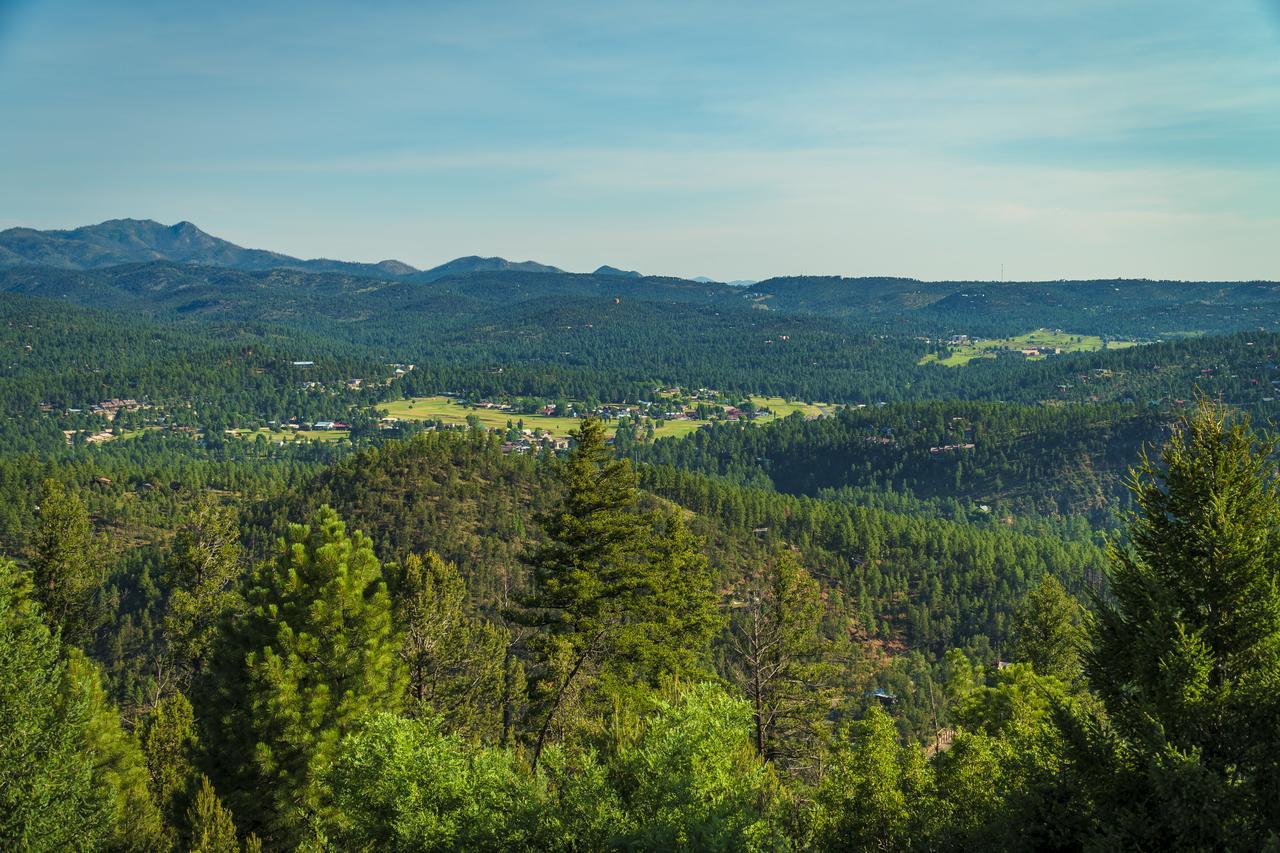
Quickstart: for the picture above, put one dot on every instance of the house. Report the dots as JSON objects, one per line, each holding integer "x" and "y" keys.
{"x": 323, "y": 425}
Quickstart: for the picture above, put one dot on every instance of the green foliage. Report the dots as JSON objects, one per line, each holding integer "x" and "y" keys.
{"x": 64, "y": 565}
{"x": 454, "y": 659}
{"x": 930, "y": 582}
{"x": 212, "y": 829}
{"x": 201, "y": 574}
{"x": 1186, "y": 653}
{"x": 789, "y": 672}
{"x": 405, "y": 785}
{"x": 299, "y": 674}
{"x": 692, "y": 781}
{"x": 613, "y": 599}
{"x": 49, "y": 794}
{"x": 170, "y": 743}
{"x": 1048, "y": 630}
{"x": 874, "y": 792}
{"x": 319, "y": 655}
{"x": 1016, "y": 459}
{"x": 119, "y": 769}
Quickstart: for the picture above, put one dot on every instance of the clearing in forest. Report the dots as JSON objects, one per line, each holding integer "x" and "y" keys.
{"x": 1033, "y": 346}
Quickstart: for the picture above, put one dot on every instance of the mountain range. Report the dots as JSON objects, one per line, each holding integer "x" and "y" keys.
{"x": 142, "y": 265}
{"x": 130, "y": 241}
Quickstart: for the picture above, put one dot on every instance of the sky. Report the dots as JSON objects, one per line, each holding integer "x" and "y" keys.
{"x": 737, "y": 140}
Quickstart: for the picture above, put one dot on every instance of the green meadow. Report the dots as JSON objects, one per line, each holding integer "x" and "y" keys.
{"x": 1040, "y": 338}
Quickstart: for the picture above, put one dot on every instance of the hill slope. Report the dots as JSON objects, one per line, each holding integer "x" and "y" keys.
{"x": 127, "y": 241}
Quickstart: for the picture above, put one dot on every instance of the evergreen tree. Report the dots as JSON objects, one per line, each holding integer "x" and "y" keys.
{"x": 874, "y": 794}
{"x": 691, "y": 780}
{"x": 671, "y": 614}
{"x": 455, "y": 660}
{"x": 170, "y": 745}
{"x": 1048, "y": 630}
{"x": 64, "y": 565}
{"x": 119, "y": 769}
{"x": 318, "y": 654}
{"x": 212, "y": 829}
{"x": 405, "y": 785}
{"x": 787, "y": 669}
{"x": 1186, "y": 652}
{"x": 613, "y": 587}
{"x": 201, "y": 575}
{"x": 49, "y": 796}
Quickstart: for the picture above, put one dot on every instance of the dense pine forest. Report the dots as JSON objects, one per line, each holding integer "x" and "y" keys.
{"x": 747, "y": 567}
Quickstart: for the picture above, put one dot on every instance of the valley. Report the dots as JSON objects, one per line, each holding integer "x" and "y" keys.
{"x": 901, "y": 461}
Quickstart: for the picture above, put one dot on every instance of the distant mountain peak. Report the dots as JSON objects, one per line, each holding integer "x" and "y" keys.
{"x": 475, "y": 263}
{"x": 608, "y": 270}
{"x": 129, "y": 241}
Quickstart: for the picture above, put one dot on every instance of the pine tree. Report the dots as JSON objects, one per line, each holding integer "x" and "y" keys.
{"x": 1048, "y": 630}
{"x": 66, "y": 571}
{"x": 787, "y": 669}
{"x": 201, "y": 574}
{"x": 1186, "y": 652}
{"x": 614, "y": 587}
{"x": 170, "y": 744}
{"x": 212, "y": 829}
{"x": 873, "y": 793}
{"x": 672, "y": 613}
{"x": 319, "y": 654}
{"x": 454, "y": 659}
{"x": 119, "y": 769}
{"x": 48, "y": 796}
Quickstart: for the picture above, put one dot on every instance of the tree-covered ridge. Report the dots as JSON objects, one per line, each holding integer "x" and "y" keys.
{"x": 1121, "y": 307}
{"x": 993, "y": 458}
{"x": 602, "y": 337}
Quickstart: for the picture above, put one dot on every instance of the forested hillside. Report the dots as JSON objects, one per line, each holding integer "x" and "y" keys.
{"x": 989, "y": 457}
{"x": 303, "y": 559}
{"x": 456, "y": 648}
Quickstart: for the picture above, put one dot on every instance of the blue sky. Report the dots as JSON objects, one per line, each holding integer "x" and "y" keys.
{"x": 736, "y": 140}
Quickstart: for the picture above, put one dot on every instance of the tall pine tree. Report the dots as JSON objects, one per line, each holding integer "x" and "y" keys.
{"x": 49, "y": 797}
{"x": 317, "y": 654}
{"x": 786, "y": 667}
{"x": 1186, "y": 651}
{"x": 614, "y": 588}
{"x": 66, "y": 571}
{"x": 454, "y": 659}
{"x": 201, "y": 574}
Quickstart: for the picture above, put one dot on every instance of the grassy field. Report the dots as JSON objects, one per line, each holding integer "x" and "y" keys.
{"x": 781, "y": 408}
{"x": 1065, "y": 341}
{"x": 449, "y": 411}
